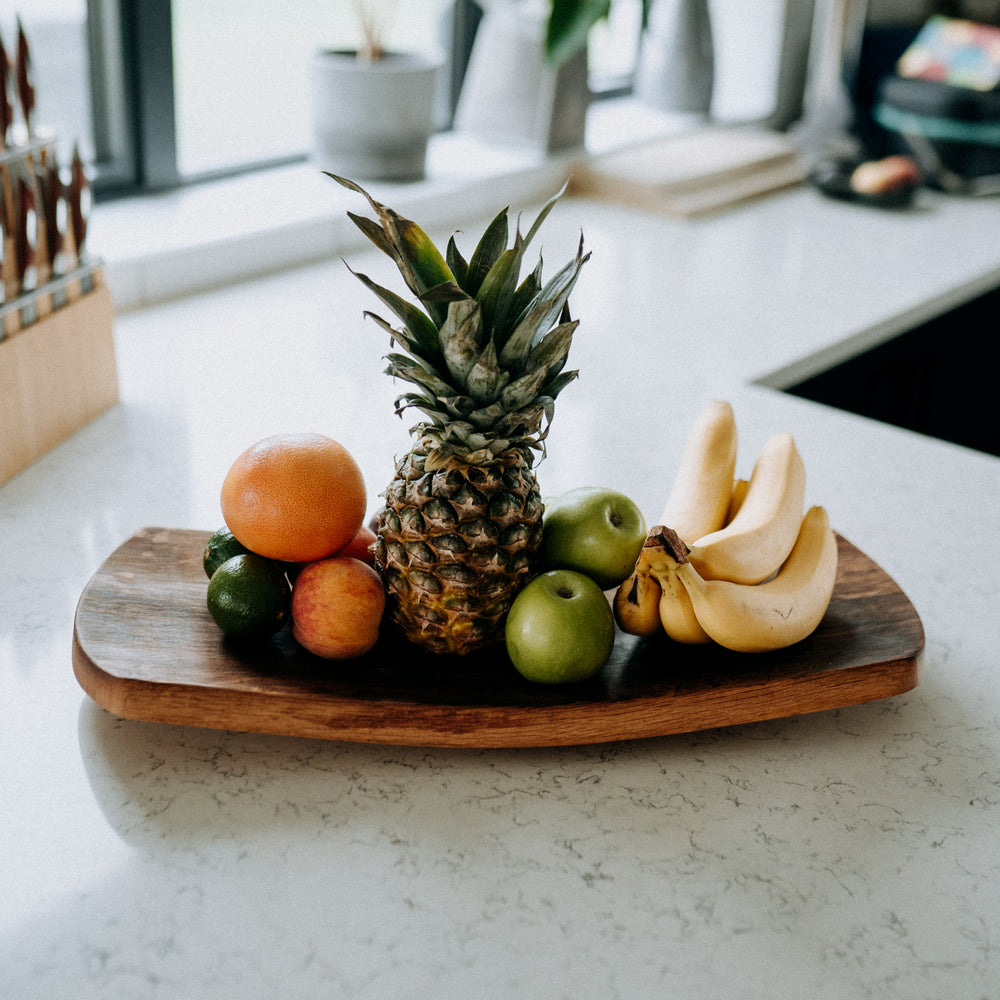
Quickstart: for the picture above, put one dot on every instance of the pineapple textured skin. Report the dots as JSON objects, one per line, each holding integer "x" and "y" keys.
{"x": 453, "y": 545}
{"x": 483, "y": 352}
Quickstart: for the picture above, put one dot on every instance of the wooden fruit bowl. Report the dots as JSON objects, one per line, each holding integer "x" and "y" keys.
{"x": 146, "y": 648}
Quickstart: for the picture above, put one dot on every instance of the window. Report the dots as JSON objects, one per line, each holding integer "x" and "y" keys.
{"x": 163, "y": 92}
{"x": 239, "y": 72}
{"x": 613, "y": 48}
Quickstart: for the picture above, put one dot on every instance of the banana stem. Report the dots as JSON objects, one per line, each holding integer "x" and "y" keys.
{"x": 663, "y": 541}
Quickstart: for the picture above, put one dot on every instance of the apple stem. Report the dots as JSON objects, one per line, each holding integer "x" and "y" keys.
{"x": 565, "y": 592}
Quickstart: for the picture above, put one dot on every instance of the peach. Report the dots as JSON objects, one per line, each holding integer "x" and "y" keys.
{"x": 337, "y": 606}
{"x": 360, "y": 547}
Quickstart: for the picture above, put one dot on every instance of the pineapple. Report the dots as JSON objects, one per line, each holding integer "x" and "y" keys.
{"x": 484, "y": 354}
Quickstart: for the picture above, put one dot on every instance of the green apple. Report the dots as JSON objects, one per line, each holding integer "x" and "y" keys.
{"x": 595, "y": 531}
{"x": 560, "y": 628}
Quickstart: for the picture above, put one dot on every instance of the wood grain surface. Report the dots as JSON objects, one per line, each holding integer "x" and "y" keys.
{"x": 146, "y": 648}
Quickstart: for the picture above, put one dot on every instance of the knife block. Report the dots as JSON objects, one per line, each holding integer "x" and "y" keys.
{"x": 57, "y": 368}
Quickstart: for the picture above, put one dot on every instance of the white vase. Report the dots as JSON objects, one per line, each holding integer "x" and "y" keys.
{"x": 511, "y": 95}
{"x": 675, "y": 71}
{"x": 372, "y": 120}
{"x": 761, "y": 60}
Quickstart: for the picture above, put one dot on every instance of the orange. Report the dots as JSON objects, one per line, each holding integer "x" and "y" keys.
{"x": 294, "y": 497}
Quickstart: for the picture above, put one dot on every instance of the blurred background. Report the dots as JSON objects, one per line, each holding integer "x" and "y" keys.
{"x": 165, "y": 92}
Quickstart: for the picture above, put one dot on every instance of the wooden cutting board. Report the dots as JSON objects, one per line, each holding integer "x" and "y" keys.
{"x": 146, "y": 648}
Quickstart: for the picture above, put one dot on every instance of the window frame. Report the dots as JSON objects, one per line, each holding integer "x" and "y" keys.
{"x": 130, "y": 46}
{"x": 131, "y": 77}
{"x": 131, "y": 60}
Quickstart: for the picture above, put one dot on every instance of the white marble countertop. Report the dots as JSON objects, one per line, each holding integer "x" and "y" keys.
{"x": 846, "y": 854}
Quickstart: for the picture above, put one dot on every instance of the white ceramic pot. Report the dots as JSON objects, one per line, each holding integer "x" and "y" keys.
{"x": 676, "y": 59}
{"x": 734, "y": 62}
{"x": 372, "y": 120}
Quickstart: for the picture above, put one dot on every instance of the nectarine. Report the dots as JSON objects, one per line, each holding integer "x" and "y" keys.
{"x": 360, "y": 546}
{"x": 337, "y": 606}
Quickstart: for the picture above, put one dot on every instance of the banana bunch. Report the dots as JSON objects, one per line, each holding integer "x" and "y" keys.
{"x": 733, "y": 561}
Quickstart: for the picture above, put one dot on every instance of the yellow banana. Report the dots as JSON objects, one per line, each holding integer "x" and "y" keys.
{"x": 759, "y": 537}
{"x": 676, "y": 611}
{"x": 637, "y": 603}
{"x": 699, "y": 500}
{"x": 737, "y": 498}
{"x": 771, "y": 615}
{"x": 649, "y": 600}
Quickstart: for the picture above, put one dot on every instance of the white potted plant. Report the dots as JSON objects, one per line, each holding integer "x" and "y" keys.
{"x": 372, "y": 108}
{"x": 527, "y": 81}
{"x": 517, "y": 89}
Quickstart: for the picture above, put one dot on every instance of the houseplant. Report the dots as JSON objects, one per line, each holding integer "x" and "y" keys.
{"x": 371, "y": 108}
{"x": 527, "y": 80}
{"x": 569, "y": 23}
{"x": 515, "y": 91}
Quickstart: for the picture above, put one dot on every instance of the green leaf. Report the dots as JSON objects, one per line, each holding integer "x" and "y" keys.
{"x": 400, "y": 368}
{"x": 460, "y": 435}
{"x": 559, "y": 287}
{"x": 527, "y": 290}
{"x": 486, "y": 417}
{"x": 428, "y": 267}
{"x": 491, "y": 245}
{"x": 444, "y": 293}
{"x": 498, "y": 291}
{"x": 551, "y": 353}
{"x": 374, "y": 232}
{"x": 458, "y": 264}
{"x": 524, "y": 421}
{"x": 422, "y": 329}
{"x": 425, "y": 404}
{"x": 550, "y": 304}
{"x": 544, "y": 213}
{"x": 460, "y": 406}
{"x": 397, "y": 335}
{"x": 485, "y": 378}
{"x": 525, "y": 425}
{"x": 553, "y": 388}
{"x": 460, "y": 338}
{"x": 569, "y": 25}
{"x": 541, "y": 316}
{"x": 418, "y": 259}
{"x": 523, "y": 390}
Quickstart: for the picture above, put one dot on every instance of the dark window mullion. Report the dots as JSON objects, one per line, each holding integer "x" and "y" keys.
{"x": 114, "y": 166}
{"x": 148, "y": 43}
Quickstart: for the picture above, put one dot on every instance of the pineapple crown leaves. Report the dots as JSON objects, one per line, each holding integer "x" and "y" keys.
{"x": 484, "y": 350}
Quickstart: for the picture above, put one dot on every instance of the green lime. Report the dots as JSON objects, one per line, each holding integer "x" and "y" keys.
{"x": 249, "y": 597}
{"x": 220, "y": 547}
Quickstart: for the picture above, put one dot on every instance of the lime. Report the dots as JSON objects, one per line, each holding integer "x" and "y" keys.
{"x": 249, "y": 597}
{"x": 220, "y": 547}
